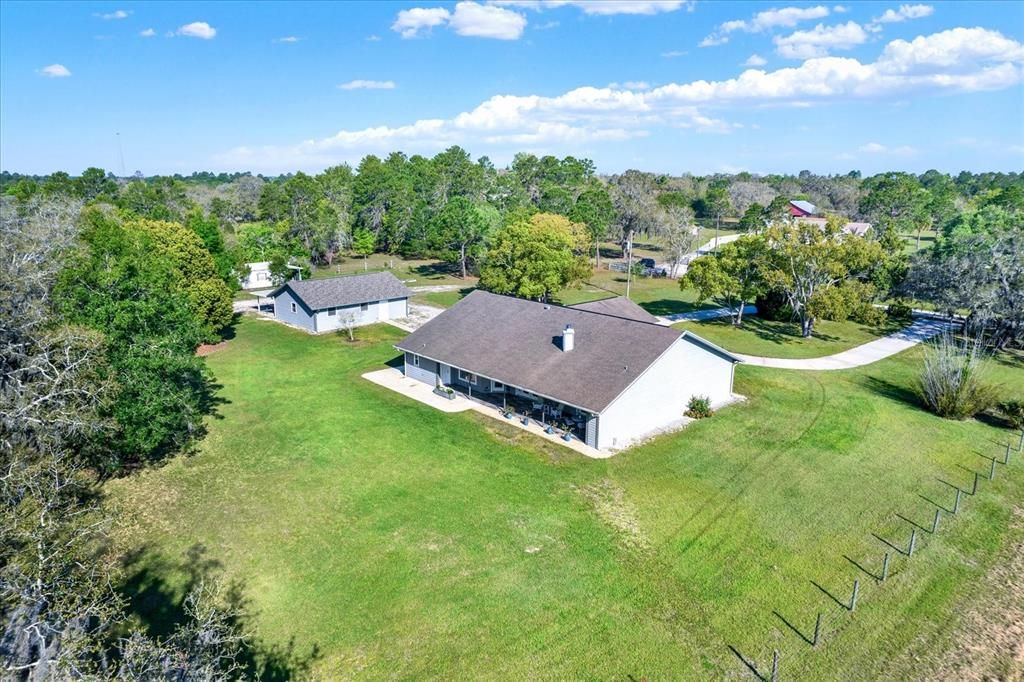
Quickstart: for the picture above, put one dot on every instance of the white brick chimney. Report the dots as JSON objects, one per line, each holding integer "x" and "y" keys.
{"x": 568, "y": 338}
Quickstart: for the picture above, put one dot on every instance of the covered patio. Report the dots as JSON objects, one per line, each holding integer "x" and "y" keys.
{"x": 519, "y": 404}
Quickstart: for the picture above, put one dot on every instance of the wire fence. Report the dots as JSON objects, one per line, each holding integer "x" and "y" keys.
{"x": 797, "y": 656}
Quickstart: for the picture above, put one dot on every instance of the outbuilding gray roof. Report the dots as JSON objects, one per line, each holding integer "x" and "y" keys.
{"x": 334, "y": 292}
{"x": 617, "y": 306}
{"x": 518, "y": 343}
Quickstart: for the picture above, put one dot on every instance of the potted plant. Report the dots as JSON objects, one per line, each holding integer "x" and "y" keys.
{"x": 566, "y": 433}
{"x": 525, "y": 421}
{"x": 549, "y": 429}
{"x": 444, "y": 391}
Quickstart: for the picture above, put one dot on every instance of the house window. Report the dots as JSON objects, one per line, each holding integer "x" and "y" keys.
{"x": 467, "y": 377}
{"x": 497, "y": 386}
{"x": 415, "y": 361}
{"x": 293, "y": 307}
{"x": 261, "y": 277}
{"x": 364, "y": 307}
{"x": 332, "y": 312}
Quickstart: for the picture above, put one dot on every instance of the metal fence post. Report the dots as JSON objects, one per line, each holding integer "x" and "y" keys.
{"x": 775, "y": 666}
{"x": 956, "y": 502}
{"x": 817, "y": 629}
{"x": 992, "y": 470}
{"x": 913, "y": 541}
{"x": 935, "y": 521}
{"x": 974, "y": 488}
{"x": 853, "y": 597}
{"x": 1020, "y": 445}
{"x": 1006, "y": 457}
{"x": 885, "y": 567}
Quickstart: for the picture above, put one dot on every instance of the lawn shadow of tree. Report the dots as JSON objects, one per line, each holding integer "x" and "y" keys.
{"x": 155, "y": 589}
{"x": 669, "y": 306}
{"x": 890, "y": 390}
{"x": 437, "y": 270}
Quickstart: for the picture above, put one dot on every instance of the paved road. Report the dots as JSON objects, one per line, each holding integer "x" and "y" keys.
{"x": 700, "y": 315}
{"x": 920, "y": 330}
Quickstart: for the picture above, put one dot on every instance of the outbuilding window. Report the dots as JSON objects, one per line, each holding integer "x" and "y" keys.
{"x": 332, "y": 312}
{"x": 293, "y": 307}
{"x": 364, "y": 306}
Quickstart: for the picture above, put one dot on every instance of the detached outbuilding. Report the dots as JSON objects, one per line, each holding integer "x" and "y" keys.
{"x": 606, "y": 371}
{"x": 322, "y": 305}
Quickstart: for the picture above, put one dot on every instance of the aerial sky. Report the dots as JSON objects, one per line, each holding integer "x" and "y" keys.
{"x": 671, "y": 86}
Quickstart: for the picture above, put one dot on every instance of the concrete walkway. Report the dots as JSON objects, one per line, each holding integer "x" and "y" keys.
{"x": 419, "y": 315}
{"x": 920, "y": 330}
{"x": 394, "y": 380}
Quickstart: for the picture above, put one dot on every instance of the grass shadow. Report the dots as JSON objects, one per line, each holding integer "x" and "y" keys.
{"x": 668, "y": 306}
{"x": 888, "y": 389}
{"x": 936, "y": 504}
{"x": 439, "y": 270}
{"x": 155, "y": 591}
{"x": 917, "y": 525}
{"x": 750, "y": 666}
{"x": 793, "y": 628}
{"x": 843, "y": 605}
{"x": 890, "y": 544}
{"x": 870, "y": 574}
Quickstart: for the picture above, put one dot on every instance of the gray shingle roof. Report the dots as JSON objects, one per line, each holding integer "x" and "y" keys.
{"x": 318, "y": 294}
{"x": 518, "y": 342}
{"x": 617, "y": 306}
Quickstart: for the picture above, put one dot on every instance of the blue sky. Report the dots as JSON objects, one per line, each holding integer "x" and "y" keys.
{"x": 669, "y": 86}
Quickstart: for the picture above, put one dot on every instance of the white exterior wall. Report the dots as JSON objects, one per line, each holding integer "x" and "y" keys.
{"x": 379, "y": 311}
{"x": 659, "y": 397}
{"x": 258, "y": 276}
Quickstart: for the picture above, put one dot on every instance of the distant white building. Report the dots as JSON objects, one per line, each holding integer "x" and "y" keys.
{"x": 258, "y": 276}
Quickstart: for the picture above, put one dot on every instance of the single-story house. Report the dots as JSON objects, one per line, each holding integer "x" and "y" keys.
{"x": 610, "y": 378}
{"x": 801, "y": 209}
{"x": 320, "y": 305}
{"x": 256, "y": 276}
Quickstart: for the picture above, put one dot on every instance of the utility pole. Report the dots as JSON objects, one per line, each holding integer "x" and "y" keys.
{"x": 629, "y": 260}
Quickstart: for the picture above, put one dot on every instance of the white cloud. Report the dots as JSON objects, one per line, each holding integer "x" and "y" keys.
{"x": 713, "y": 39}
{"x": 785, "y": 17}
{"x": 360, "y": 84}
{"x": 410, "y": 22}
{"x": 547, "y": 25}
{"x": 820, "y": 40}
{"x": 468, "y": 19}
{"x": 603, "y": 7}
{"x": 955, "y": 61}
{"x": 630, "y": 85}
{"x": 904, "y": 13}
{"x": 147, "y": 33}
{"x": 197, "y": 29}
{"x": 55, "y": 71}
{"x": 287, "y": 39}
{"x": 116, "y": 14}
{"x": 840, "y": 9}
{"x": 672, "y": 54}
{"x": 755, "y": 60}
{"x": 372, "y": 38}
{"x": 486, "y": 21}
{"x": 876, "y": 148}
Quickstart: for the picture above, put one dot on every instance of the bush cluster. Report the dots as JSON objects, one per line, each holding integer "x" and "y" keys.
{"x": 699, "y": 407}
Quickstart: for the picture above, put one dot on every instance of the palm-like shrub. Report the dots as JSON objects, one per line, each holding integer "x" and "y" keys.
{"x": 952, "y": 380}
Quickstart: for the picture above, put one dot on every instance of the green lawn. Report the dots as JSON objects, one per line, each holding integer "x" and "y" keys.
{"x": 659, "y": 295}
{"x": 442, "y": 299}
{"x": 782, "y": 339}
{"x": 403, "y": 542}
{"x": 415, "y": 272}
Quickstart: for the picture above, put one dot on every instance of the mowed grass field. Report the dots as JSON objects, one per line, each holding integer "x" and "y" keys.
{"x": 768, "y": 338}
{"x": 396, "y": 541}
